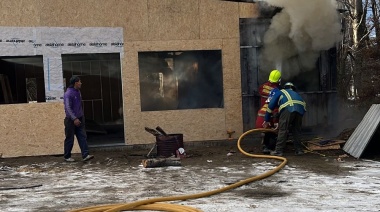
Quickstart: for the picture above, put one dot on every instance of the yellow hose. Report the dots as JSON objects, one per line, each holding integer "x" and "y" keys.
{"x": 157, "y": 205}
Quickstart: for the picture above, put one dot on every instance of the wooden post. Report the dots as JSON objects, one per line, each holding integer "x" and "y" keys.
{"x": 5, "y": 86}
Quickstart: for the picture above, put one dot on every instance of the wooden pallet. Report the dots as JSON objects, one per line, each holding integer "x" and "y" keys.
{"x": 332, "y": 144}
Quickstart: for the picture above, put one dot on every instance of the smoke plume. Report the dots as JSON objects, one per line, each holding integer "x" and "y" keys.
{"x": 298, "y": 34}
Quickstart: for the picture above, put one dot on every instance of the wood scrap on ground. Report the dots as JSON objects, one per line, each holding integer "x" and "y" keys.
{"x": 20, "y": 187}
{"x": 325, "y": 144}
{"x": 161, "y": 162}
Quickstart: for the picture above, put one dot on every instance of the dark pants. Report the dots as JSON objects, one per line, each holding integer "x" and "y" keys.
{"x": 80, "y": 132}
{"x": 269, "y": 141}
{"x": 289, "y": 122}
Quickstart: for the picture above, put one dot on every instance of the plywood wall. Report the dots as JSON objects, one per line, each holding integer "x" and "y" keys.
{"x": 32, "y": 129}
{"x": 148, "y": 25}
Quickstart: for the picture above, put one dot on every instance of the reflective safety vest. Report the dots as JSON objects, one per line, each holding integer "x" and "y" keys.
{"x": 261, "y": 116}
{"x": 262, "y": 110}
{"x": 288, "y": 99}
{"x": 264, "y": 91}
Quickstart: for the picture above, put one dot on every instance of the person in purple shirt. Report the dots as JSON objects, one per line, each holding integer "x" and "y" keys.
{"x": 74, "y": 121}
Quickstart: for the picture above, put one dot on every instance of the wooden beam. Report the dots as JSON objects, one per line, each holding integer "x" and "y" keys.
{"x": 161, "y": 162}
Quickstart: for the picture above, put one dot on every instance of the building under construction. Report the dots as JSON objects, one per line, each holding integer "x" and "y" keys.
{"x": 189, "y": 66}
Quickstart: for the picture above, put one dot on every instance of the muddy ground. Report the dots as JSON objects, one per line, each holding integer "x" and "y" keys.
{"x": 327, "y": 180}
{"x": 220, "y": 154}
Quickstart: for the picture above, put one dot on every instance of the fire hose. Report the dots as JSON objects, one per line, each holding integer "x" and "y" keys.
{"x": 158, "y": 205}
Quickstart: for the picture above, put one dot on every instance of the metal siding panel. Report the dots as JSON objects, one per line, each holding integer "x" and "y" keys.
{"x": 321, "y": 108}
{"x": 251, "y": 37}
{"x": 332, "y": 108}
{"x": 363, "y": 133}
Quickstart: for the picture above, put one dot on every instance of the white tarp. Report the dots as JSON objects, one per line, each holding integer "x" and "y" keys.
{"x": 52, "y": 42}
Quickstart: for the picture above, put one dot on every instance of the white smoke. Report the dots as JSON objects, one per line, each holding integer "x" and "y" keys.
{"x": 298, "y": 34}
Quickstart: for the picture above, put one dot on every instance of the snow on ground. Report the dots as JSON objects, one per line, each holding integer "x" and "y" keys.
{"x": 66, "y": 187}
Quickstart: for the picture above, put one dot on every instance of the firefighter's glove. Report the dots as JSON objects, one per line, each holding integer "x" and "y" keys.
{"x": 266, "y": 124}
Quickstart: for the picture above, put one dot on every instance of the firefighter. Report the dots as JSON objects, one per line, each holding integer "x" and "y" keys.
{"x": 291, "y": 108}
{"x": 268, "y": 139}
{"x": 273, "y": 82}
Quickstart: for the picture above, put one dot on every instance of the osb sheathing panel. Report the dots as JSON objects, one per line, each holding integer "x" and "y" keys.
{"x": 141, "y": 20}
{"x": 173, "y": 19}
{"x": 32, "y": 129}
{"x": 132, "y": 15}
{"x": 231, "y": 64}
{"x": 218, "y": 19}
{"x": 232, "y": 86}
{"x": 233, "y": 111}
{"x": 249, "y": 10}
{"x": 24, "y": 13}
{"x": 198, "y": 124}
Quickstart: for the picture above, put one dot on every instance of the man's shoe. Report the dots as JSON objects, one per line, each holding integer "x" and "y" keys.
{"x": 266, "y": 151}
{"x": 89, "y": 157}
{"x": 275, "y": 153}
{"x": 300, "y": 152}
{"x": 69, "y": 160}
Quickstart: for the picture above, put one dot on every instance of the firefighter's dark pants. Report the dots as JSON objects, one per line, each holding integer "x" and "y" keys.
{"x": 289, "y": 122}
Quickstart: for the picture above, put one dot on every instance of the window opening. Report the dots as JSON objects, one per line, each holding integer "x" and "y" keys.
{"x": 21, "y": 79}
{"x": 173, "y": 80}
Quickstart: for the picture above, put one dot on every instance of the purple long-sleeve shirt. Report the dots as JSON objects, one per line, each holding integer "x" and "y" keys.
{"x": 73, "y": 103}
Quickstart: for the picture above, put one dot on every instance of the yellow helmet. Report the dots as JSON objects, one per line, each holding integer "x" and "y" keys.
{"x": 274, "y": 76}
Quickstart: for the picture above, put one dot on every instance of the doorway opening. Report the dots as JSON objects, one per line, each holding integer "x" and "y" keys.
{"x": 101, "y": 95}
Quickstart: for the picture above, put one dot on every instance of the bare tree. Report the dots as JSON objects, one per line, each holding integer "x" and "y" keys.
{"x": 358, "y": 63}
{"x": 375, "y": 19}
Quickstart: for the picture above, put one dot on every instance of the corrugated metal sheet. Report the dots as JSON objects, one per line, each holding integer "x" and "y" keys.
{"x": 363, "y": 133}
